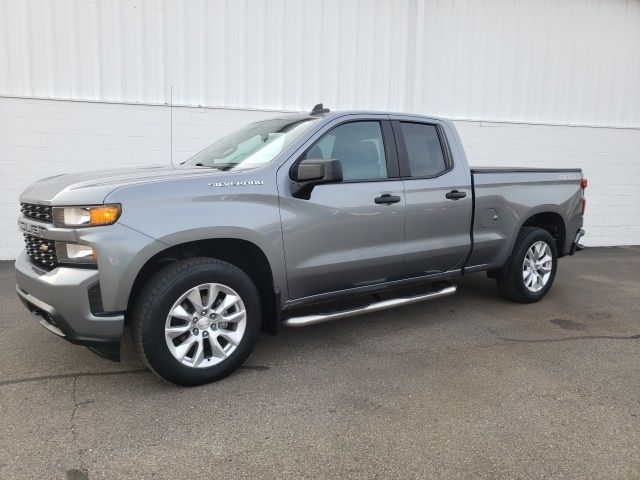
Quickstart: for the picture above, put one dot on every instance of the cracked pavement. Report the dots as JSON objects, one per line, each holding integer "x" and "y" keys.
{"x": 469, "y": 386}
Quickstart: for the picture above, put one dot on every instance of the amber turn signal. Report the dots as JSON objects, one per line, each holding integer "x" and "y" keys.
{"x": 105, "y": 215}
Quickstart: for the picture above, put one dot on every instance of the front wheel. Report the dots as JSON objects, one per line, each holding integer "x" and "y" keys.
{"x": 197, "y": 320}
{"x": 532, "y": 267}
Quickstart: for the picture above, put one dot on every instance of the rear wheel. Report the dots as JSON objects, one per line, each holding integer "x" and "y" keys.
{"x": 531, "y": 269}
{"x": 197, "y": 320}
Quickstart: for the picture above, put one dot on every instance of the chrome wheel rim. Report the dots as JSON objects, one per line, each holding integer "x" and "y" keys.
{"x": 205, "y": 325}
{"x": 537, "y": 266}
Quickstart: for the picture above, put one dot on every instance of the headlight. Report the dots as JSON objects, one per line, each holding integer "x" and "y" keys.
{"x": 86, "y": 216}
{"x": 75, "y": 253}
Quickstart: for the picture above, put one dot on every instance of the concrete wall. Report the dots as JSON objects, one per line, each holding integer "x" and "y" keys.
{"x": 39, "y": 138}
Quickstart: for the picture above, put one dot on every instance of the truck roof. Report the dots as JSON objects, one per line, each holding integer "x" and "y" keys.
{"x": 340, "y": 113}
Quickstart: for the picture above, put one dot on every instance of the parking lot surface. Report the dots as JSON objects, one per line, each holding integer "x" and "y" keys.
{"x": 469, "y": 386}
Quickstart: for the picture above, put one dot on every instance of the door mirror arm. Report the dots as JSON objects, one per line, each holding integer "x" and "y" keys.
{"x": 312, "y": 172}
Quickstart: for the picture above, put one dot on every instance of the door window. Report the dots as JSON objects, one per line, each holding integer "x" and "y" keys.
{"x": 358, "y": 146}
{"x": 424, "y": 150}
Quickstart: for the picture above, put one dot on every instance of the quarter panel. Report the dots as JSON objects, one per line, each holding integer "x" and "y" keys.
{"x": 516, "y": 197}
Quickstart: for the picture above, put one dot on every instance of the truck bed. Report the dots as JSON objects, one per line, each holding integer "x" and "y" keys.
{"x": 505, "y": 199}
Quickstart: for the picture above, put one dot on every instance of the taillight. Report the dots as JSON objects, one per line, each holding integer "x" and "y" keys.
{"x": 583, "y": 183}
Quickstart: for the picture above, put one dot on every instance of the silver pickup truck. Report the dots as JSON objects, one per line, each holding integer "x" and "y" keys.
{"x": 294, "y": 220}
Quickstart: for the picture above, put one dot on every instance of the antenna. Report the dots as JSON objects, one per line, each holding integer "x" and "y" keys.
{"x": 319, "y": 110}
{"x": 171, "y": 124}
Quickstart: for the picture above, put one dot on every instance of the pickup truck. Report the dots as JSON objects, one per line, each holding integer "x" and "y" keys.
{"x": 290, "y": 221}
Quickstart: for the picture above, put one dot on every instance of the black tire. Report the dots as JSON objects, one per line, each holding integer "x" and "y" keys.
{"x": 158, "y": 296}
{"x": 511, "y": 283}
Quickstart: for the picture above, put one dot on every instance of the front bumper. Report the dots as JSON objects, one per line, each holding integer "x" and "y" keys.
{"x": 59, "y": 299}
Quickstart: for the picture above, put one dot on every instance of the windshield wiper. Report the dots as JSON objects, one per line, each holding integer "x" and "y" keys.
{"x": 197, "y": 165}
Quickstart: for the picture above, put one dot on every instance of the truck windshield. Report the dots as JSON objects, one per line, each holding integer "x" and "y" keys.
{"x": 254, "y": 145}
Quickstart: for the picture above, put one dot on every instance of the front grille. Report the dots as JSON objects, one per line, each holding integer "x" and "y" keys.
{"x": 41, "y": 251}
{"x": 37, "y": 212}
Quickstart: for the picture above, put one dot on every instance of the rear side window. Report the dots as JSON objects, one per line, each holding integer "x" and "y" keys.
{"x": 424, "y": 150}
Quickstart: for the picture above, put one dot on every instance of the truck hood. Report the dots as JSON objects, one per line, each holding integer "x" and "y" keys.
{"x": 87, "y": 188}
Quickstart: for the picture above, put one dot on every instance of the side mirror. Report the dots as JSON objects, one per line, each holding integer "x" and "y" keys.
{"x": 314, "y": 172}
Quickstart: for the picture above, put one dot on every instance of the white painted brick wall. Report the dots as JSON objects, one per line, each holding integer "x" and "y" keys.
{"x": 609, "y": 158}
{"x": 40, "y": 138}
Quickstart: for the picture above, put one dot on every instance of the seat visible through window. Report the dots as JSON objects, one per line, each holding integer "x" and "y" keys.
{"x": 358, "y": 146}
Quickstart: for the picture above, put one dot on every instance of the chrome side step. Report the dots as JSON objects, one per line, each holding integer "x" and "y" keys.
{"x": 372, "y": 307}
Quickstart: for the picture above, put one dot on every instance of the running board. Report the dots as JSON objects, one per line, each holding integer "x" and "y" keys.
{"x": 372, "y": 307}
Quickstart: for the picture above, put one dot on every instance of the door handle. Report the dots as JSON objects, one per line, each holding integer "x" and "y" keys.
{"x": 455, "y": 195}
{"x": 387, "y": 199}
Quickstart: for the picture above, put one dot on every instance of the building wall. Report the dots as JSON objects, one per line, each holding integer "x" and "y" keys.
{"x": 527, "y": 81}
{"x": 39, "y": 138}
{"x": 559, "y": 62}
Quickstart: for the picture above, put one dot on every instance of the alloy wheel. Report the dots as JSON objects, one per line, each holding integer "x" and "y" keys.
{"x": 205, "y": 325}
{"x": 537, "y": 266}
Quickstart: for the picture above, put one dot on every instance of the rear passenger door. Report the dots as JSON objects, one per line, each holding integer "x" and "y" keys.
{"x": 438, "y": 199}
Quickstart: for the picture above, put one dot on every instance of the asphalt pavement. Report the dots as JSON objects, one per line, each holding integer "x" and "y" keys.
{"x": 468, "y": 386}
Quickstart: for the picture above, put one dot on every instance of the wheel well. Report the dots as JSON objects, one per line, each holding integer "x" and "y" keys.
{"x": 552, "y": 223}
{"x": 241, "y": 253}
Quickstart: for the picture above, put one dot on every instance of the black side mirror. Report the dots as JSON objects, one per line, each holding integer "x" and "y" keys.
{"x": 314, "y": 172}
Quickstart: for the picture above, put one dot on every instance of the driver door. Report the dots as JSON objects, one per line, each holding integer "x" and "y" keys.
{"x": 348, "y": 234}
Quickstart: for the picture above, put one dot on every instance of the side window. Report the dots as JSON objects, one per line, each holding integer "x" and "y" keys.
{"x": 358, "y": 146}
{"x": 423, "y": 149}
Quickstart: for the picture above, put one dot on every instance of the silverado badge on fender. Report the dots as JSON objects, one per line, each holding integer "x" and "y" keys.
{"x": 236, "y": 184}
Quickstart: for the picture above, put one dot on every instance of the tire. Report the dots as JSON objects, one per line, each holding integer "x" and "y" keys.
{"x": 516, "y": 283}
{"x": 189, "y": 347}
